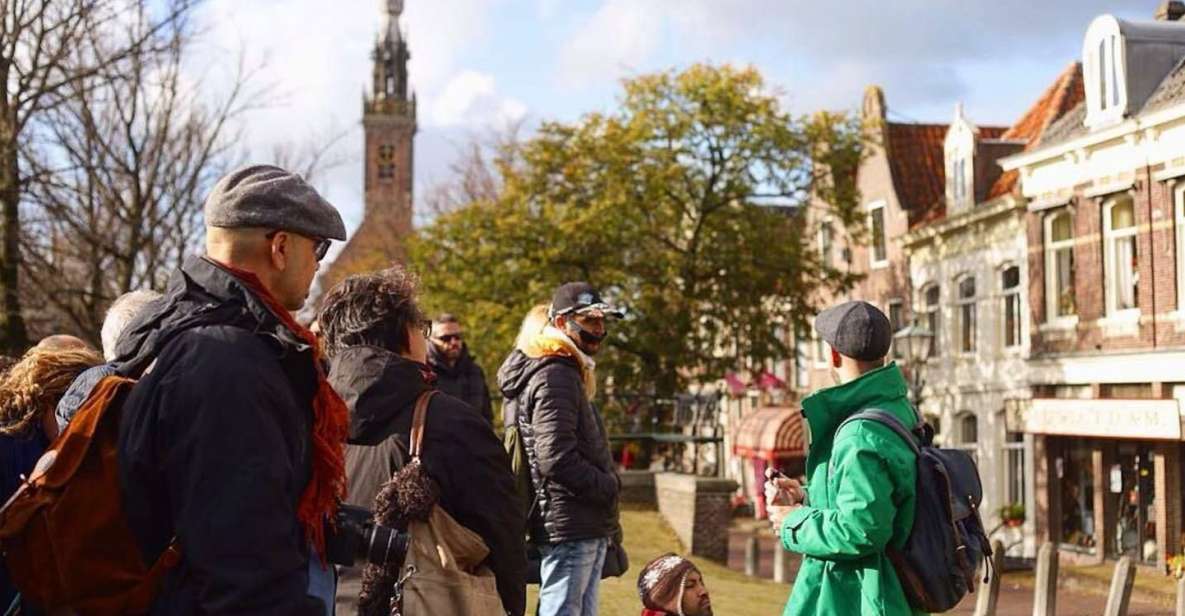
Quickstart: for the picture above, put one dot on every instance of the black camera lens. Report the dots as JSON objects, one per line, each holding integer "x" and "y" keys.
{"x": 357, "y": 537}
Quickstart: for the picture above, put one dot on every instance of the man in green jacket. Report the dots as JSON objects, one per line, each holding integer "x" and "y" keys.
{"x": 860, "y": 492}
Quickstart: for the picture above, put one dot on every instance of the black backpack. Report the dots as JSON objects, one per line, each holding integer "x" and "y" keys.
{"x": 947, "y": 544}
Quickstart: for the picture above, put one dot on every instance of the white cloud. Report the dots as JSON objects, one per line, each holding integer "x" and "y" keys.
{"x": 620, "y": 35}
{"x": 471, "y": 98}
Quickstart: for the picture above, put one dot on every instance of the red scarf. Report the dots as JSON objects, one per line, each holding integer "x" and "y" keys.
{"x": 331, "y": 423}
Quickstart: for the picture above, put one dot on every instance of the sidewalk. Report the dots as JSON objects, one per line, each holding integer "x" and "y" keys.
{"x": 1076, "y": 596}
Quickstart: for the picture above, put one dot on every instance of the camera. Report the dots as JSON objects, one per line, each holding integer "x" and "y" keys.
{"x": 357, "y": 538}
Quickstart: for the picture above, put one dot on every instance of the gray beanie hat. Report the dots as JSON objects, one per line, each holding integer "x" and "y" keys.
{"x": 269, "y": 197}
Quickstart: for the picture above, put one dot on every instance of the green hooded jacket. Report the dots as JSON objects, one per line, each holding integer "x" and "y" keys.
{"x": 860, "y": 498}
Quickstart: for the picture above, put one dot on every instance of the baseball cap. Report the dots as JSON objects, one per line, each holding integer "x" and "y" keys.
{"x": 581, "y": 297}
{"x": 856, "y": 329}
{"x": 269, "y": 197}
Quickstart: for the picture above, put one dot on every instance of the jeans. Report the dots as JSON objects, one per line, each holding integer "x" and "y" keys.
{"x": 571, "y": 574}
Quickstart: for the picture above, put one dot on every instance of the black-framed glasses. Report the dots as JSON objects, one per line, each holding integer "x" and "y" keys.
{"x": 320, "y": 244}
{"x": 450, "y": 337}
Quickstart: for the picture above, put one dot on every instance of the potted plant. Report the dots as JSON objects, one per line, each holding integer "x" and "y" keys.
{"x": 1013, "y": 515}
{"x": 1176, "y": 566}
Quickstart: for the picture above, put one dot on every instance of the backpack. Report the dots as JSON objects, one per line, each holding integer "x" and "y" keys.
{"x": 66, "y": 540}
{"x": 512, "y": 441}
{"x": 947, "y": 544}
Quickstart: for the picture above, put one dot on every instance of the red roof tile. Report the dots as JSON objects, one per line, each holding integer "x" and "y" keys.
{"x": 1065, "y": 93}
{"x": 915, "y": 153}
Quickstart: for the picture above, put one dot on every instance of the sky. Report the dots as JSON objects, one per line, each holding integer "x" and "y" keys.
{"x": 478, "y": 64}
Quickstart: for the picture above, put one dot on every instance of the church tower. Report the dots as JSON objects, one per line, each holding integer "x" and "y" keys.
{"x": 389, "y": 129}
{"x": 389, "y": 122}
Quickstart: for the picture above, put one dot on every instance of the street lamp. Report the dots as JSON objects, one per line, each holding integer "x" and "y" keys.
{"x": 914, "y": 343}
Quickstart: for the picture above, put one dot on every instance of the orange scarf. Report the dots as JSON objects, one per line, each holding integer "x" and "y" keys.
{"x": 331, "y": 423}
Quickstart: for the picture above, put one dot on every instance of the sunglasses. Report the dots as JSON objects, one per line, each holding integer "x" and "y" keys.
{"x": 320, "y": 244}
{"x": 449, "y": 337}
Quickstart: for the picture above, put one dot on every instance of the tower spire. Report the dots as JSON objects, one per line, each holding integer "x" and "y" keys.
{"x": 390, "y": 60}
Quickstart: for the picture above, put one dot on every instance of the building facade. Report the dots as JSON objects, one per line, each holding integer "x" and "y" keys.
{"x": 1105, "y": 228}
{"x": 969, "y": 273}
{"x": 389, "y": 129}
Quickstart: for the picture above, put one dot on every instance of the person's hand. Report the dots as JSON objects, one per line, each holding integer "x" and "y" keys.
{"x": 777, "y": 513}
{"x": 782, "y": 491}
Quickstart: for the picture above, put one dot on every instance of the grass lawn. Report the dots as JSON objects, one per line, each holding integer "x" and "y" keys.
{"x": 647, "y": 536}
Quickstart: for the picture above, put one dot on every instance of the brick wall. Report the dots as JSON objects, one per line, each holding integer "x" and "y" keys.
{"x": 637, "y": 487}
{"x": 1157, "y": 293}
{"x": 699, "y": 511}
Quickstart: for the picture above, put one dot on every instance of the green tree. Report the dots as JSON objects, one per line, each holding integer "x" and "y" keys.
{"x": 688, "y": 205}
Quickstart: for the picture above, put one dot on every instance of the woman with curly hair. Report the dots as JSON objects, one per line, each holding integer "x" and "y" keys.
{"x": 29, "y": 392}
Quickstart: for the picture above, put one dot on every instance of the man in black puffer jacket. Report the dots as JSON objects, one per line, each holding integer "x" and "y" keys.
{"x": 548, "y": 383}
{"x": 374, "y": 333}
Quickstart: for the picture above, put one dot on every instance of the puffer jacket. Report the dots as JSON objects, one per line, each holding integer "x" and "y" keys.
{"x": 544, "y": 383}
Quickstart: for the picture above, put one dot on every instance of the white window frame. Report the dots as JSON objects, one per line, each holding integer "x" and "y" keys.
{"x": 1179, "y": 232}
{"x": 960, "y": 437}
{"x": 1011, "y": 294}
{"x": 932, "y": 311}
{"x": 961, "y": 304}
{"x": 900, "y": 304}
{"x": 826, "y": 249}
{"x": 1110, "y": 238}
{"x": 873, "y": 262}
{"x": 802, "y": 362}
{"x": 1013, "y": 480}
{"x": 1104, "y": 68}
{"x": 1051, "y": 282}
{"x": 819, "y": 350}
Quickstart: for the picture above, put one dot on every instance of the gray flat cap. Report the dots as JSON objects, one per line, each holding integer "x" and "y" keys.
{"x": 269, "y": 197}
{"x": 856, "y": 329}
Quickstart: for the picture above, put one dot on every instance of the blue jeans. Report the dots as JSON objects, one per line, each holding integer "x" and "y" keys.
{"x": 571, "y": 576}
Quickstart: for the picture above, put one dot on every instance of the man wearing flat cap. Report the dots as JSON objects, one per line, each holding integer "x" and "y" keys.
{"x": 860, "y": 492}
{"x": 230, "y": 444}
{"x": 548, "y": 383}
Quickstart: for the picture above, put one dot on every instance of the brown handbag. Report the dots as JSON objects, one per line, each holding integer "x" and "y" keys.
{"x": 443, "y": 571}
{"x": 66, "y": 541}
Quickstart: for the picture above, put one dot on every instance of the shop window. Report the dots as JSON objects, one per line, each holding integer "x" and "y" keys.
{"x": 966, "y": 312}
{"x": 1132, "y": 487}
{"x": 931, "y": 316}
{"x": 1075, "y": 473}
{"x": 1059, "y": 267}
{"x": 1122, "y": 276}
{"x": 1010, "y": 285}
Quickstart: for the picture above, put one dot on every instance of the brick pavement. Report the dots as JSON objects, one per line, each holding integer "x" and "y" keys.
{"x": 1016, "y": 598}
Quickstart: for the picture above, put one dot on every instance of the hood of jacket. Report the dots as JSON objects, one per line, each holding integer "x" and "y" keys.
{"x": 883, "y": 388}
{"x": 535, "y": 351}
{"x": 378, "y": 386}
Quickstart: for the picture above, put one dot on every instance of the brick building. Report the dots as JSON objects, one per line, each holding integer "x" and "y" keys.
{"x": 901, "y": 184}
{"x": 1105, "y": 227}
{"x": 389, "y": 127}
{"x": 968, "y": 267}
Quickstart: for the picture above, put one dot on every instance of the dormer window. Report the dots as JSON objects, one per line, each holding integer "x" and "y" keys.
{"x": 960, "y": 148}
{"x": 1104, "y": 57}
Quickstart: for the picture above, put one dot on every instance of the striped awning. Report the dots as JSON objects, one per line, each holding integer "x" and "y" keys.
{"x": 771, "y": 433}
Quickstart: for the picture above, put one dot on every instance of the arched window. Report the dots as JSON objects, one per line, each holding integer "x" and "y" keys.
{"x": 965, "y": 302}
{"x": 1010, "y": 292}
{"x": 967, "y": 433}
{"x": 931, "y": 313}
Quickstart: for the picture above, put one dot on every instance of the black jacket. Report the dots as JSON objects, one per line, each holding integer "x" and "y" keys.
{"x": 571, "y": 468}
{"x": 465, "y": 381}
{"x": 460, "y": 453}
{"x": 214, "y": 447}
